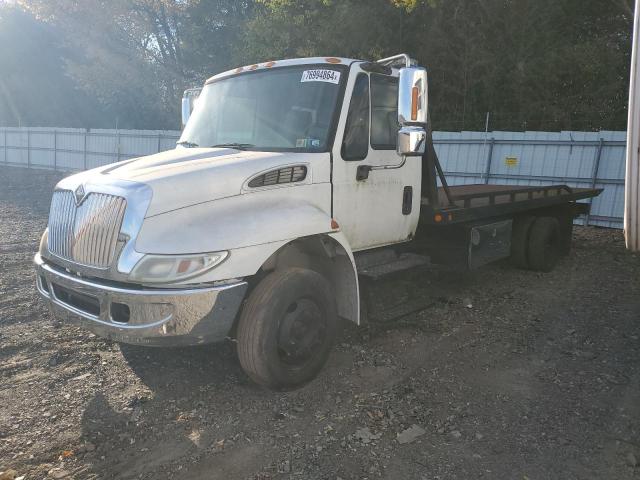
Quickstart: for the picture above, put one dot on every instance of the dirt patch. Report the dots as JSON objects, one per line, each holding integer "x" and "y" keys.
{"x": 510, "y": 374}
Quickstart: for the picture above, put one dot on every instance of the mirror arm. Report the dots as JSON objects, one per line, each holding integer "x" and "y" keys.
{"x": 402, "y": 57}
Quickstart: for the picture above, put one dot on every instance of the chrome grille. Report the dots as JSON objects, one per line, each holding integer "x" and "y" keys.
{"x": 85, "y": 234}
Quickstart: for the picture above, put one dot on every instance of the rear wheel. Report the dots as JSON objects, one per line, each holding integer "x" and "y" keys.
{"x": 287, "y": 328}
{"x": 520, "y": 241}
{"x": 544, "y": 244}
{"x": 566, "y": 233}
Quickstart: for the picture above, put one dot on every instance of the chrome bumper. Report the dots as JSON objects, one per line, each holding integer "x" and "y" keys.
{"x": 159, "y": 317}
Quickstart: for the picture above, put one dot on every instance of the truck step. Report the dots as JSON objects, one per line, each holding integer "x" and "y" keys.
{"x": 394, "y": 264}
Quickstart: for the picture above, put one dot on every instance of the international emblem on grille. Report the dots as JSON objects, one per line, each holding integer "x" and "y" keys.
{"x": 84, "y": 227}
{"x": 79, "y": 193}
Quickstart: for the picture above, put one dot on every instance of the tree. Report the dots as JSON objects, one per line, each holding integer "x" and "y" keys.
{"x": 127, "y": 54}
{"x": 34, "y": 87}
{"x": 533, "y": 64}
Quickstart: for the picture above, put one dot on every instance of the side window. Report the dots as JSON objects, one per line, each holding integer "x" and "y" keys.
{"x": 355, "y": 144}
{"x": 384, "y": 112}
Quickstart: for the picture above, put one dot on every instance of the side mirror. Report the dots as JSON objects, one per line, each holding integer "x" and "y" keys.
{"x": 411, "y": 141}
{"x": 186, "y": 110}
{"x": 188, "y": 103}
{"x": 412, "y": 111}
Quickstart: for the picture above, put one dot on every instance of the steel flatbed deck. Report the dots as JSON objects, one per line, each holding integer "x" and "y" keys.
{"x": 464, "y": 203}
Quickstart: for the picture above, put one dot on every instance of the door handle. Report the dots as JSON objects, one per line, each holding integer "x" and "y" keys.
{"x": 362, "y": 172}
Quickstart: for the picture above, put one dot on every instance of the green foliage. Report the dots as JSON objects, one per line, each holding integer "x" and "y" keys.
{"x": 34, "y": 87}
{"x": 533, "y": 64}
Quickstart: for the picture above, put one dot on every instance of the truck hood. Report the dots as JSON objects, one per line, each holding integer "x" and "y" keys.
{"x": 188, "y": 176}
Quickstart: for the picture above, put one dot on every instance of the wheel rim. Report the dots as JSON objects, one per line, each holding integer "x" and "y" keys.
{"x": 301, "y": 333}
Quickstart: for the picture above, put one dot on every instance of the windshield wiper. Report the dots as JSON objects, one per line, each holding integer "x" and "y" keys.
{"x": 188, "y": 144}
{"x": 237, "y": 146}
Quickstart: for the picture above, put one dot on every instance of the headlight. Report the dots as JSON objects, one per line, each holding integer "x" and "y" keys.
{"x": 170, "y": 268}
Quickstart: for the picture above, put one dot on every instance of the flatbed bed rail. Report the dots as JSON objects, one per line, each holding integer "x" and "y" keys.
{"x": 476, "y": 202}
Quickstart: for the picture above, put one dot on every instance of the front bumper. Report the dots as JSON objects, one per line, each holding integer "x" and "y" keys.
{"x": 157, "y": 317}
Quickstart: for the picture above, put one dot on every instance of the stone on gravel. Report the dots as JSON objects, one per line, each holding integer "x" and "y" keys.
{"x": 365, "y": 435}
{"x": 284, "y": 467}
{"x": 632, "y": 461}
{"x": 410, "y": 434}
{"x": 456, "y": 433}
{"x": 8, "y": 475}
{"x": 87, "y": 447}
{"x": 58, "y": 473}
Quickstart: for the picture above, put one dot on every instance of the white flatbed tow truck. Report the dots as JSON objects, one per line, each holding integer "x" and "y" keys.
{"x": 288, "y": 176}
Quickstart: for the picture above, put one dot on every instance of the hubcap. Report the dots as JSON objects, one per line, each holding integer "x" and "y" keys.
{"x": 301, "y": 332}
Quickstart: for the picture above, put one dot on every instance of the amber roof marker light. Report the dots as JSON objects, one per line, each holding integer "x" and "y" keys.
{"x": 332, "y": 60}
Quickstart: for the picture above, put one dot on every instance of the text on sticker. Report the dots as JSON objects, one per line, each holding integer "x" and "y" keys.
{"x": 321, "y": 75}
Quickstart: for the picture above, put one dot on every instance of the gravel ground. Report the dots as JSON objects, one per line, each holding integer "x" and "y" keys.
{"x": 503, "y": 374}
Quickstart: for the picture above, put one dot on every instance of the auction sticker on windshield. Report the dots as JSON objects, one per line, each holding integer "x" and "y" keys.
{"x": 321, "y": 75}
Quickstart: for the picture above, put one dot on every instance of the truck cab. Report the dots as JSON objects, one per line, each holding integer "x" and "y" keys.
{"x": 333, "y": 115}
{"x": 249, "y": 229}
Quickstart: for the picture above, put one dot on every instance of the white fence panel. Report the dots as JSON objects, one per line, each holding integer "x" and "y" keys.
{"x": 71, "y": 149}
{"x": 576, "y": 159}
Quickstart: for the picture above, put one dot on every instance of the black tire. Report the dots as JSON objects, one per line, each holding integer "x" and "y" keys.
{"x": 566, "y": 234}
{"x": 520, "y": 241}
{"x": 287, "y": 328}
{"x": 544, "y": 244}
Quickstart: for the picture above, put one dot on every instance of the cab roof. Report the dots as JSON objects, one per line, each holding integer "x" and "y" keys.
{"x": 285, "y": 63}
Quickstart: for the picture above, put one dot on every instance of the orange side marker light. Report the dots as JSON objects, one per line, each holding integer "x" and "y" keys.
{"x": 414, "y": 103}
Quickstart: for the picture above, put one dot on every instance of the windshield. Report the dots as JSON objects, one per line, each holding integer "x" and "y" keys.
{"x": 279, "y": 109}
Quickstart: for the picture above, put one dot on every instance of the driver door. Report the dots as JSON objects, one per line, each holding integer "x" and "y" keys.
{"x": 383, "y": 208}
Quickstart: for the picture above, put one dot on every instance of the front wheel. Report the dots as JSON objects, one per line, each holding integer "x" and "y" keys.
{"x": 287, "y": 328}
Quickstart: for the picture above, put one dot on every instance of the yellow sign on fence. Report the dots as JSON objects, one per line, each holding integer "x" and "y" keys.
{"x": 511, "y": 161}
